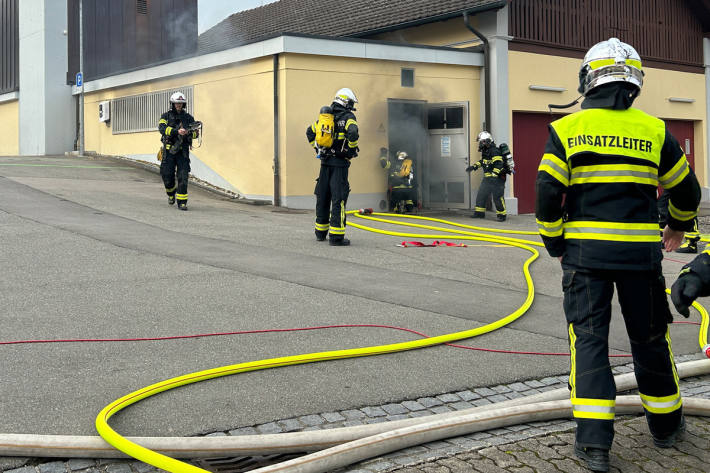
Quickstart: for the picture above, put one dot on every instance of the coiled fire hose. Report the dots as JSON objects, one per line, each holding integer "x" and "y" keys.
{"x": 346, "y": 445}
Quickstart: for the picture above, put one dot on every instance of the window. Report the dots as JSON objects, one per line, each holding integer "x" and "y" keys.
{"x": 136, "y": 113}
{"x": 407, "y": 77}
{"x": 445, "y": 118}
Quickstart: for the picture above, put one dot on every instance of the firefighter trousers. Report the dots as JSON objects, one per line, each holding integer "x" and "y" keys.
{"x": 587, "y": 305}
{"x": 172, "y": 164}
{"x": 491, "y": 186}
{"x": 332, "y": 190}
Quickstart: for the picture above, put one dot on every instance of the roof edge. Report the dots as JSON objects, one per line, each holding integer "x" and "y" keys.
{"x": 432, "y": 19}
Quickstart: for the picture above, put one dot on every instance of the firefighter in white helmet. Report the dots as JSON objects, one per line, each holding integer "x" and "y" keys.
{"x": 493, "y": 183}
{"x": 605, "y": 163}
{"x": 334, "y": 136}
{"x": 177, "y": 139}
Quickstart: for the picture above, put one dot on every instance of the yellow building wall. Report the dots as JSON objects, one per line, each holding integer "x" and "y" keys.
{"x": 527, "y": 69}
{"x": 234, "y": 102}
{"x": 10, "y": 118}
{"x": 452, "y": 32}
{"x": 311, "y": 82}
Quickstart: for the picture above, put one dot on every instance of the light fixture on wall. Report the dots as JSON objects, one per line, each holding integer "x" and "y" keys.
{"x": 547, "y": 88}
{"x": 680, "y": 100}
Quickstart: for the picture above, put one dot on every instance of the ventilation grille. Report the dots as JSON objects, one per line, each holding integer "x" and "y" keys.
{"x": 137, "y": 113}
{"x": 142, "y": 7}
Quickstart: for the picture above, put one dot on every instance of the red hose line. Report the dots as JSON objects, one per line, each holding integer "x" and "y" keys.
{"x": 301, "y": 329}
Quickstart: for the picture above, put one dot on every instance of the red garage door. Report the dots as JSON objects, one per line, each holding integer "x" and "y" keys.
{"x": 529, "y": 138}
{"x": 530, "y": 135}
{"x": 683, "y": 132}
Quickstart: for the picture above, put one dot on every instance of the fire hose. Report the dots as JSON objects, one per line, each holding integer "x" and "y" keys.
{"x": 340, "y": 447}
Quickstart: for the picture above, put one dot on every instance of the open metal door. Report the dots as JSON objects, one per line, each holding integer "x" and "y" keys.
{"x": 445, "y": 183}
{"x": 407, "y": 131}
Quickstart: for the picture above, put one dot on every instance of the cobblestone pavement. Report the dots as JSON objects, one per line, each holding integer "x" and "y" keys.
{"x": 528, "y": 448}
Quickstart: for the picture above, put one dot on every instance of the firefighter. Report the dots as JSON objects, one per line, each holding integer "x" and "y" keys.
{"x": 402, "y": 191}
{"x": 332, "y": 187}
{"x": 691, "y": 238}
{"x": 607, "y": 161}
{"x": 493, "y": 182}
{"x": 177, "y": 140}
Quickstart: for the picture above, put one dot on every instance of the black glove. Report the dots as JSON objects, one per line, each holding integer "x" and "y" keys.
{"x": 471, "y": 168}
{"x": 684, "y": 291}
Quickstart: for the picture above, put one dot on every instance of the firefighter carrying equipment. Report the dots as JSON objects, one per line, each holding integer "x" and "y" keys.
{"x": 176, "y": 157}
{"x": 401, "y": 185}
{"x": 332, "y": 186}
{"x": 493, "y": 183}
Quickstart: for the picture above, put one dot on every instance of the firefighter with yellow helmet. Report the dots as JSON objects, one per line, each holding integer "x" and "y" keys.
{"x": 596, "y": 211}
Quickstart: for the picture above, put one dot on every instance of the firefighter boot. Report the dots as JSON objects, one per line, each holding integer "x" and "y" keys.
{"x": 669, "y": 440}
{"x": 171, "y": 199}
{"x": 182, "y": 205}
{"x": 478, "y": 215}
{"x": 339, "y": 242}
{"x": 501, "y": 218}
{"x": 320, "y": 235}
{"x": 597, "y": 459}
{"x": 690, "y": 246}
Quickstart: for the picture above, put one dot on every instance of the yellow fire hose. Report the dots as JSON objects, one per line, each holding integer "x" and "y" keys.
{"x": 170, "y": 464}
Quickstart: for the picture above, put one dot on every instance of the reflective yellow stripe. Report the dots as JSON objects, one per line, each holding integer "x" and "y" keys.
{"x": 555, "y": 167}
{"x": 313, "y": 143}
{"x": 341, "y": 136}
{"x": 614, "y": 173}
{"x": 610, "y": 62}
{"x": 612, "y": 231}
{"x": 550, "y": 229}
{"x": 479, "y": 209}
{"x": 172, "y": 189}
{"x": 496, "y": 171}
{"x": 181, "y": 196}
{"x": 573, "y": 361}
{"x": 676, "y": 174}
{"x": 337, "y": 230}
{"x": 497, "y": 158}
{"x": 603, "y": 409}
{"x": 350, "y": 122}
{"x": 168, "y": 130}
{"x": 163, "y": 121}
{"x": 661, "y": 405}
{"x": 682, "y": 215}
{"x": 322, "y": 227}
{"x": 352, "y": 144}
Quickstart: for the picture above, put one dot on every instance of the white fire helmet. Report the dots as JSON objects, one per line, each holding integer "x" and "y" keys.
{"x": 346, "y": 98}
{"x": 610, "y": 61}
{"x": 402, "y": 155}
{"x": 484, "y": 136}
{"x": 178, "y": 97}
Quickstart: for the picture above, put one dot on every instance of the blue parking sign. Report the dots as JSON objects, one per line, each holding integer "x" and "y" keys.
{"x": 79, "y": 79}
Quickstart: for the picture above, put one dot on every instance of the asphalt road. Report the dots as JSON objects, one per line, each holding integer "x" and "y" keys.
{"x": 90, "y": 249}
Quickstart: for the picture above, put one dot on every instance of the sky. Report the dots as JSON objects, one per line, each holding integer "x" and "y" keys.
{"x": 211, "y": 12}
